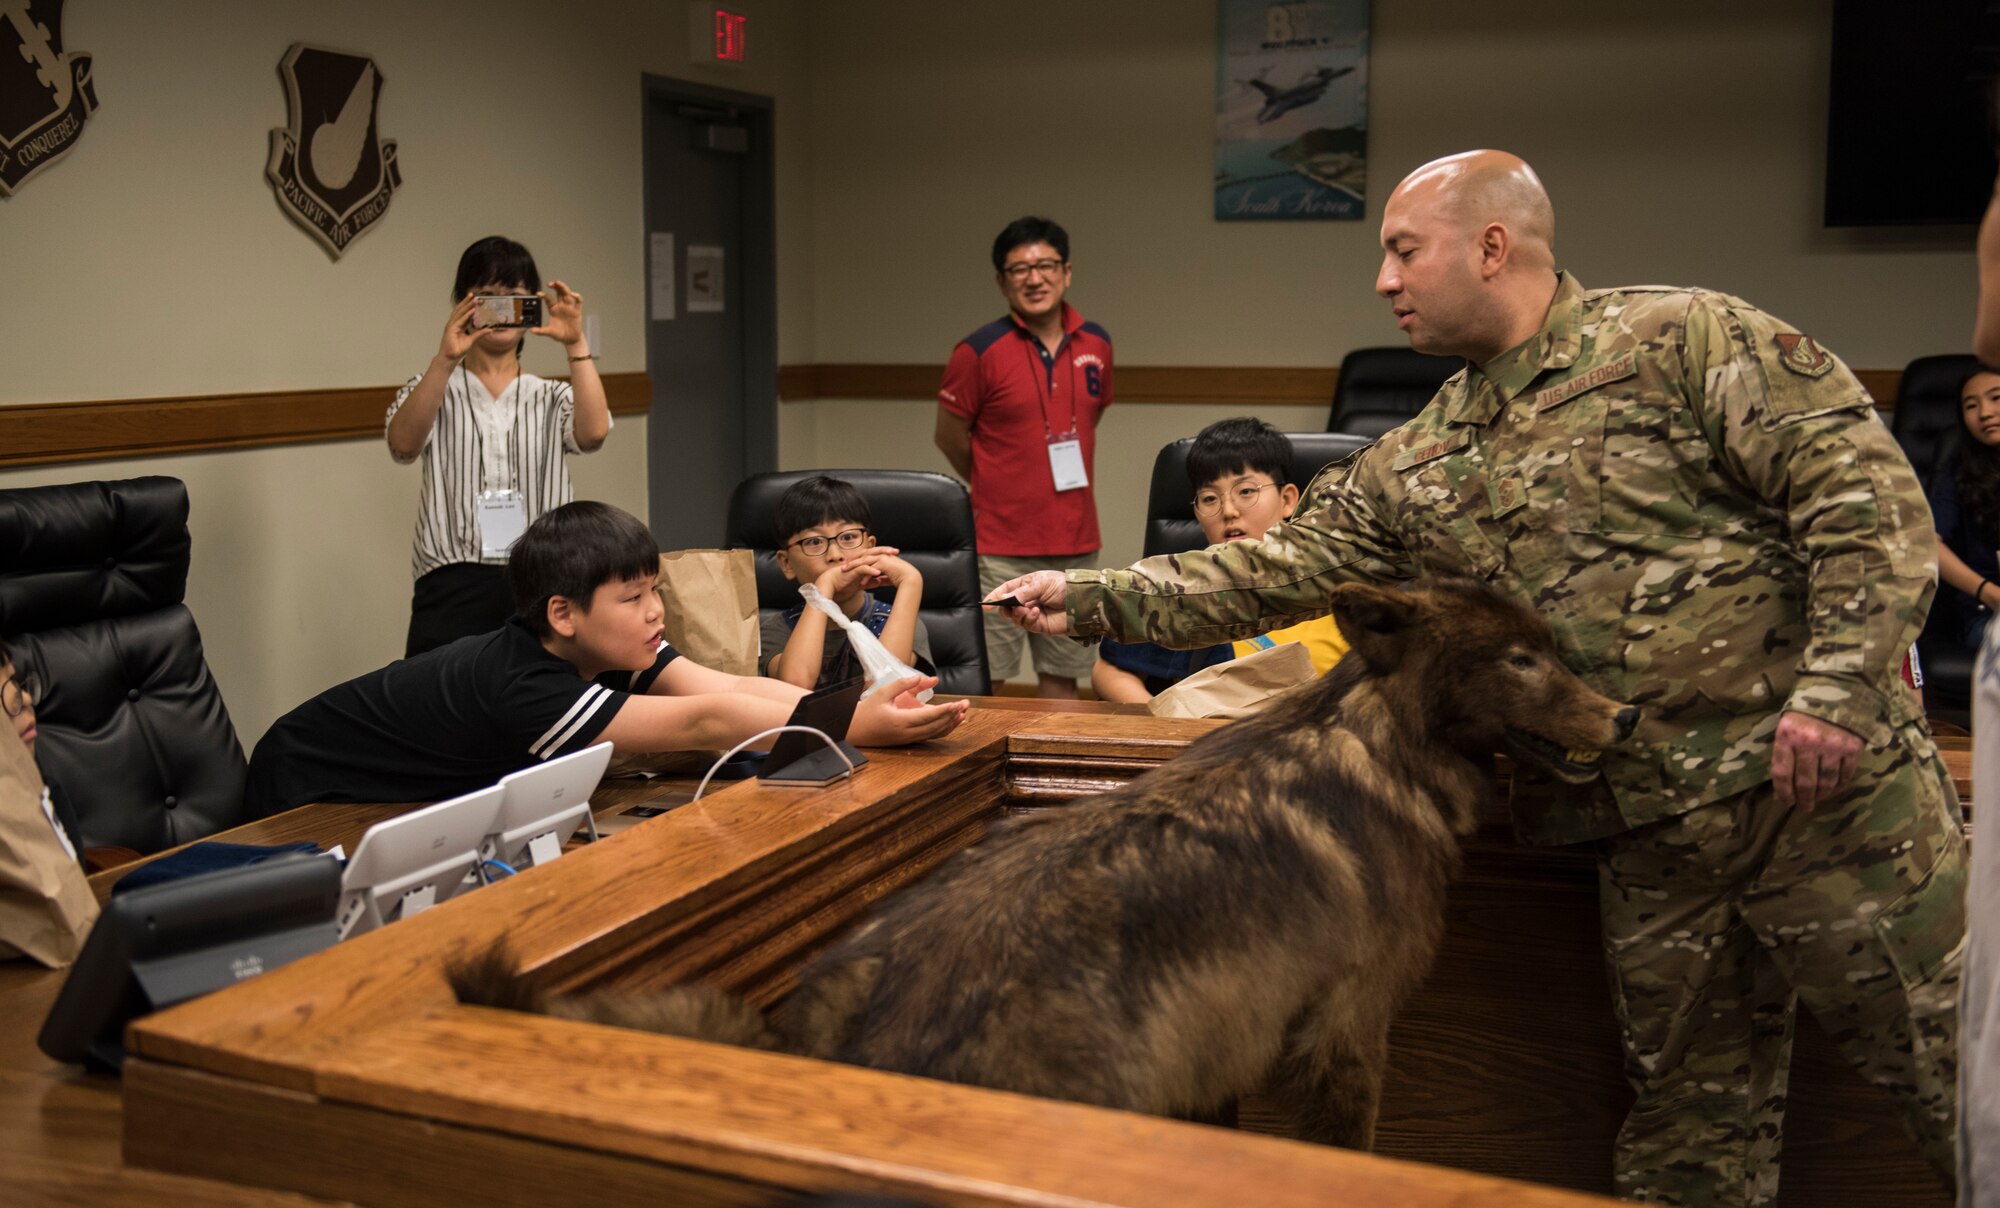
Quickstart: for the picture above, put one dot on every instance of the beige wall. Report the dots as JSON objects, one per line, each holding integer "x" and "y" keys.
{"x": 1680, "y": 144}
{"x": 154, "y": 261}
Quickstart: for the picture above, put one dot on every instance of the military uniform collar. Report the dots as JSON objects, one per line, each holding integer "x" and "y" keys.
{"x": 1493, "y": 385}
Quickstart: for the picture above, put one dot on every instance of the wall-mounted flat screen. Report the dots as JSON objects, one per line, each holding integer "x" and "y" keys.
{"x": 1910, "y": 112}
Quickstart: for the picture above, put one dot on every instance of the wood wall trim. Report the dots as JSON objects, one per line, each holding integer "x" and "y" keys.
{"x": 45, "y": 433}
{"x": 1206, "y": 385}
{"x": 48, "y": 433}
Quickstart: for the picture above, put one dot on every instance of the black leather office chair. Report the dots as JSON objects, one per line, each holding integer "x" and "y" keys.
{"x": 1378, "y": 389}
{"x": 1926, "y": 424}
{"x": 928, "y": 517}
{"x": 133, "y": 729}
{"x": 1170, "y": 523}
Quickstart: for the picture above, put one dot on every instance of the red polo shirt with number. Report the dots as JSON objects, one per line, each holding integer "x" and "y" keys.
{"x": 1019, "y": 396}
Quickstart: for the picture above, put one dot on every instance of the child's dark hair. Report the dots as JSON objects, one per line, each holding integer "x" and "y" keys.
{"x": 571, "y": 552}
{"x": 495, "y": 260}
{"x": 1977, "y": 466}
{"x": 1242, "y": 445}
{"x": 1029, "y": 230}
{"x": 820, "y": 500}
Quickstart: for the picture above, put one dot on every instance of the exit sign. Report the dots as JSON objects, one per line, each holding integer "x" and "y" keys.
{"x": 716, "y": 34}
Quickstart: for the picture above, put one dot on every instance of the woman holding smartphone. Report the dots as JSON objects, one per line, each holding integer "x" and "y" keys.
{"x": 491, "y": 438}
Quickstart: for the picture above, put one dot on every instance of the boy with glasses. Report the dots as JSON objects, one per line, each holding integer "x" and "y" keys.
{"x": 1017, "y": 419}
{"x": 827, "y": 543}
{"x": 1238, "y": 469}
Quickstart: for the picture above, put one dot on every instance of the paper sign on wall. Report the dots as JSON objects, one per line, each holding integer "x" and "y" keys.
{"x": 704, "y": 274}
{"x": 660, "y": 254}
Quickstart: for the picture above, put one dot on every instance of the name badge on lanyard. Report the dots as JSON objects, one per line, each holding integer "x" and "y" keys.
{"x": 503, "y": 517}
{"x": 1066, "y": 463}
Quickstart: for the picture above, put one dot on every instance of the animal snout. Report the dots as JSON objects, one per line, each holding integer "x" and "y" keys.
{"x": 1626, "y": 720}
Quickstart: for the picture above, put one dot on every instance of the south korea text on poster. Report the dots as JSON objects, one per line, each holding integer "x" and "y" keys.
{"x": 1291, "y": 110}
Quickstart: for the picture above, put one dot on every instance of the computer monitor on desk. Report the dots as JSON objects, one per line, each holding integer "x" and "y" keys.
{"x": 543, "y": 806}
{"x": 407, "y": 864}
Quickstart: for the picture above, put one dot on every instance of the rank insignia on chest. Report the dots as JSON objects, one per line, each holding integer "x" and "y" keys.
{"x": 1801, "y": 355}
{"x": 1506, "y": 493}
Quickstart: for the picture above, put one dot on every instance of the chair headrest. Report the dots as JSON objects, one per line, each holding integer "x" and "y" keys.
{"x": 913, "y": 510}
{"x": 90, "y": 551}
{"x": 1926, "y": 419}
{"x": 1394, "y": 380}
{"x": 1170, "y": 523}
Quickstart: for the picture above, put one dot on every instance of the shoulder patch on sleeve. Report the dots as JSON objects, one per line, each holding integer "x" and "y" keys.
{"x": 1789, "y": 375}
{"x": 1798, "y": 353}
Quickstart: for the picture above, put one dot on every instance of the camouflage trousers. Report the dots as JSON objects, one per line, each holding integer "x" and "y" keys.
{"x": 1719, "y": 921}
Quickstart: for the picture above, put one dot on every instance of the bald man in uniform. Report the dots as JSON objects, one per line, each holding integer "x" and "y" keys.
{"x": 1703, "y": 503}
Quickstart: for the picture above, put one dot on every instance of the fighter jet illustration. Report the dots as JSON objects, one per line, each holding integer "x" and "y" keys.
{"x": 1280, "y": 101}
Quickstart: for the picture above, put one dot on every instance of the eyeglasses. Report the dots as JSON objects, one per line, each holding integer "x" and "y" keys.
{"x": 19, "y": 691}
{"x": 813, "y": 547}
{"x": 1019, "y": 272}
{"x": 1208, "y": 503}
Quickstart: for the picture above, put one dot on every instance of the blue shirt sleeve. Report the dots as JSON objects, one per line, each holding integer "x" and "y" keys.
{"x": 1955, "y": 527}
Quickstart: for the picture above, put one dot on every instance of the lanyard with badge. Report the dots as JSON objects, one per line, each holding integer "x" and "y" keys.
{"x": 1065, "y": 451}
{"x": 501, "y": 511}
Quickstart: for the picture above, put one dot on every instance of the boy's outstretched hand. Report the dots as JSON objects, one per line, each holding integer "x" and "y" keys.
{"x": 894, "y": 717}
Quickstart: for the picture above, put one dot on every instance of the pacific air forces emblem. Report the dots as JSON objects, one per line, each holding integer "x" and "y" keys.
{"x": 1801, "y": 355}
{"x": 332, "y": 174}
{"x": 45, "y": 95}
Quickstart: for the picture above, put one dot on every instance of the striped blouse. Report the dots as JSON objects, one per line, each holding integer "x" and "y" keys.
{"x": 482, "y": 443}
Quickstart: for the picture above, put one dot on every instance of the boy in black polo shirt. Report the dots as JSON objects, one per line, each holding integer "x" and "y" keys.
{"x": 584, "y": 661}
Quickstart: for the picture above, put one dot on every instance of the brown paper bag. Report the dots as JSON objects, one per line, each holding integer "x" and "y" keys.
{"x": 1239, "y": 687}
{"x": 711, "y": 601}
{"x": 46, "y": 907}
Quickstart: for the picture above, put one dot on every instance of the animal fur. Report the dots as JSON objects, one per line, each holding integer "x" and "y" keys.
{"x": 1250, "y": 914}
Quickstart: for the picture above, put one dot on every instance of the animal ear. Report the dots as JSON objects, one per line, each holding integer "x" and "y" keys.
{"x": 1374, "y": 621}
{"x": 1364, "y": 608}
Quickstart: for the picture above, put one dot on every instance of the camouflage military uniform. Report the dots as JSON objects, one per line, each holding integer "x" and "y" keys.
{"x": 1719, "y": 529}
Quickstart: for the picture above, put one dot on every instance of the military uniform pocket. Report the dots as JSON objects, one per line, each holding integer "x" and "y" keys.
{"x": 1923, "y": 929}
{"x": 1653, "y": 462}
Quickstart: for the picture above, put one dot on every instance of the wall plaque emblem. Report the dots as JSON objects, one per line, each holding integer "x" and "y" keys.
{"x": 332, "y": 173}
{"x": 45, "y": 95}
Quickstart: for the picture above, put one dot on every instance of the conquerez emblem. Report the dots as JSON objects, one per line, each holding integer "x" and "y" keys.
{"x": 46, "y": 95}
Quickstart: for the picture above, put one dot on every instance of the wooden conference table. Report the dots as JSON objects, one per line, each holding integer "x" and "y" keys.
{"x": 1506, "y": 1063}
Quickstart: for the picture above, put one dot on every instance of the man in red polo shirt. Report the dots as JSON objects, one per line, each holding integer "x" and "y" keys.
{"x": 1017, "y": 418}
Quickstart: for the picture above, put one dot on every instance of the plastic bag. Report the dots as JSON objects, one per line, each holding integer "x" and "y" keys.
{"x": 878, "y": 666}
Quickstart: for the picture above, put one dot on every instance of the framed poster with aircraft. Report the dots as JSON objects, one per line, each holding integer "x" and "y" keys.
{"x": 1291, "y": 110}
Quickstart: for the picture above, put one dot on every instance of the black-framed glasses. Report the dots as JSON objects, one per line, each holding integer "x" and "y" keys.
{"x": 18, "y": 691}
{"x": 1019, "y": 272}
{"x": 1208, "y": 503}
{"x": 814, "y": 546}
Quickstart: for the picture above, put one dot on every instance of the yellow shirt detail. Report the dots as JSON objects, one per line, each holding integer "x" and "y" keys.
{"x": 1320, "y": 636}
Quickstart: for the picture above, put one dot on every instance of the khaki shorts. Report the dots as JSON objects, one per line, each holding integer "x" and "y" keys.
{"x": 1064, "y": 657}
